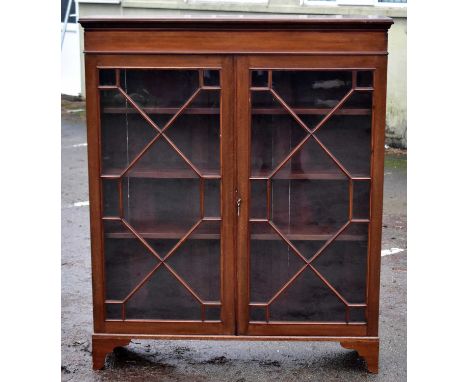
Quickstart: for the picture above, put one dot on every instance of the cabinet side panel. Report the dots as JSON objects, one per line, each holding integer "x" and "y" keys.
{"x": 92, "y": 120}
{"x": 377, "y": 169}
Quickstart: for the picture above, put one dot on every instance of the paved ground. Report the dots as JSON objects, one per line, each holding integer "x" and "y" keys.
{"x": 213, "y": 360}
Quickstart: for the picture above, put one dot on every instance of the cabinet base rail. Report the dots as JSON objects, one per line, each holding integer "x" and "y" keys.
{"x": 366, "y": 347}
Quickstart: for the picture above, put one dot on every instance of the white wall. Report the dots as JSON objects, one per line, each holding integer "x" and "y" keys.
{"x": 71, "y": 68}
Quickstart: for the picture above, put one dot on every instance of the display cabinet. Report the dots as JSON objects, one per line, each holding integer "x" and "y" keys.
{"x": 235, "y": 172}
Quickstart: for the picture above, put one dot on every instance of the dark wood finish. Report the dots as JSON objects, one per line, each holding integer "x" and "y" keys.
{"x": 368, "y": 349}
{"x": 226, "y": 324}
{"x": 168, "y": 232}
{"x": 377, "y": 169}
{"x": 243, "y": 22}
{"x": 235, "y": 46}
{"x": 103, "y": 346}
{"x": 92, "y": 117}
{"x": 243, "y": 270}
{"x": 228, "y": 168}
{"x": 241, "y": 42}
{"x": 231, "y": 337}
{"x": 243, "y": 153}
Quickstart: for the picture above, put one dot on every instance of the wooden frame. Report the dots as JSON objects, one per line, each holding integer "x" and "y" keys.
{"x": 378, "y": 65}
{"x": 148, "y": 326}
{"x": 235, "y": 47}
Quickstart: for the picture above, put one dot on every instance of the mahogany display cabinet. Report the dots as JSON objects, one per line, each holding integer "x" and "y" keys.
{"x": 235, "y": 177}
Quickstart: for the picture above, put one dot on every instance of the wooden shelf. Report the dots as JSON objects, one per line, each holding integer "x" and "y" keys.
{"x": 296, "y": 175}
{"x": 313, "y": 111}
{"x": 201, "y": 233}
{"x": 302, "y": 233}
{"x": 160, "y": 110}
{"x": 163, "y": 174}
{"x": 211, "y": 232}
{"x": 255, "y": 111}
{"x": 214, "y": 174}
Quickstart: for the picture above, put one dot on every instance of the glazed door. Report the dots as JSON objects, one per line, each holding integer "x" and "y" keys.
{"x": 305, "y": 180}
{"x": 162, "y": 157}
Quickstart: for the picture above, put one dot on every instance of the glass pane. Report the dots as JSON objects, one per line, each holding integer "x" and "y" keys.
{"x": 365, "y": 78}
{"x": 272, "y": 263}
{"x": 309, "y": 207}
{"x": 303, "y": 164}
{"x": 308, "y": 299}
{"x": 127, "y": 260}
{"x": 361, "y": 199}
{"x": 309, "y": 244}
{"x": 357, "y": 314}
{"x": 274, "y": 134}
{"x": 161, "y": 193}
{"x": 212, "y": 197}
{"x": 153, "y": 205}
{"x": 257, "y": 313}
{"x": 107, "y": 77}
{"x": 110, "y": 197}
{"x": 170, "y": 181}
{"x": 197, "y": 135}
{"x": 207, "y": 100}
{"x": 311, "y": 162}
{"x": 113, "y": 311}
{"x": 259, "y": 78}
{"x": 197, "y": 261}
{"x": 162, "y": 240}
{"x": 162, "y": 161}
{"x": 211, "y": 77}
{"x": 213, "y": 312}
{"x": 318, "y": 89}
{"x": 348, "y": 136}
{"x": 258, "y": 199}
{"x": 163, "y": 297}
{"x": 124, "y": 132}
{"x": 160, "y": 92}
{"x": 344, "y": 263}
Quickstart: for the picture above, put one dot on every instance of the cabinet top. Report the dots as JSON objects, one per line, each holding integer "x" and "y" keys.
{"x": 240, "y": 21}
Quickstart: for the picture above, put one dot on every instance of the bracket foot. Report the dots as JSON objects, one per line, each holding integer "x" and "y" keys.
{"x": 103, "y": 346}
{"x": 368, "y": 350}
